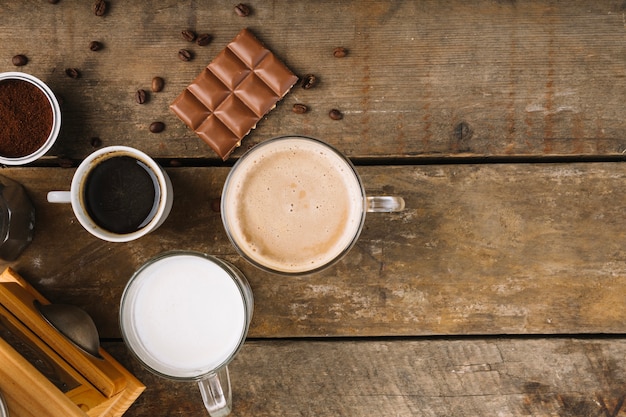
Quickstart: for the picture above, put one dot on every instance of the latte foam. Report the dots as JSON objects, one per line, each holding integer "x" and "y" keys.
{"x": 293, "y": 205}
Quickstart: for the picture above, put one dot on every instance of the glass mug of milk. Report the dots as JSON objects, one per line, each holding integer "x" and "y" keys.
{"x": 184, "y": 316}
{"x": 294, "y": 205}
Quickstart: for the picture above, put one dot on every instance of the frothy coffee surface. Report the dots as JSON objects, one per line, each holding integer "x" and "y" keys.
{"x": 293, "y": 205}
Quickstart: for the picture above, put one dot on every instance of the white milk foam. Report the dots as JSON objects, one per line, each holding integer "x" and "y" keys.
{"x": 293, "y": 205}
{"x": 188, "y": 316}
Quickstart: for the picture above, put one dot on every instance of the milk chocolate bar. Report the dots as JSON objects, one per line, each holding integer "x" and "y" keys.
{"x": 229, "y": 97}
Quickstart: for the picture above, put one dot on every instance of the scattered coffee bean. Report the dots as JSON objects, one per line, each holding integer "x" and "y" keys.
{"x": 72, "y": 73}
{"x": 184, "y": 55}
{"x": 157, "y": 84}
{"x": 335, "y": 114}
{"x": 204, "y": 39}
{"x": 53, "y": 1}
{"x": 95, "y": 46}
{"x": 309, "y": 81}
{"x": 140, "y": 96}
{"x": 300, "y": 108}
{"x": 157, "y": 127}
{"x": 188, "y": 35}
{"x": 99, "y": 7}
{"x": 340, "y": 52}
{"x": 19, "y": 60}
{"x": 242, "y": 10}
{"x": 95, "y": 142}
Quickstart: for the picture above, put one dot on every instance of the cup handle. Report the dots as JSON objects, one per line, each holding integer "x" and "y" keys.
{"x": 59, "y": 197}
{"x": 385, "y": 204}
{"x": 216, "y": 393}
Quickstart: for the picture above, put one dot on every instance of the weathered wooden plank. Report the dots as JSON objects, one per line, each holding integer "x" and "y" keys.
{"x": 428, "y": 78}
{"x": 460, "y": 378}
{"x": 480, "y": 249}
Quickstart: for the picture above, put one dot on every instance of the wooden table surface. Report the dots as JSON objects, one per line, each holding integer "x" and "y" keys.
{"x": 498, "y": 291}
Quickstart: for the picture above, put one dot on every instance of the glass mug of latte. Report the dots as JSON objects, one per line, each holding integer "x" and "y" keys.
{"x": 184, "y": 316}
{"x": 294, "y": 205}
{"x": 118, "y": 194}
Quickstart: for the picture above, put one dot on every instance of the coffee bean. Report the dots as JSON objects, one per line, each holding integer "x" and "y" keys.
{"x": 242, "y": 10}
{"x": 335, "y": 114}
{"x": 188, "y": 35}
{"x": 157, "y": 127}
{"x": 19, "y": 60}
{"x": 140, "y": 96}
{"x": 72, "y": 73}
{"x": 185, "y": 55}
{"x": 340, "y": 52}
{"x": 95, "y": 46}
{"x": 309, "y": 81}
{"x": 99, "y": 7}
{"x": 53, "y": 1}
{"x": 157, "y": 84}
{"x": 95, "y": 142}
{"x": 204, "y": 39}
{"x": 300, "y": 108}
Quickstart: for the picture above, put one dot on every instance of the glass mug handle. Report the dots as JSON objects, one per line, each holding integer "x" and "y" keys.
{"x": 216, "y": 393}
{"x": 384, "y": 204}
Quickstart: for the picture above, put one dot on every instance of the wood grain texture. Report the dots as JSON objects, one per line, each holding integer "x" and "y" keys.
{"x": 480, "y": 249}
{"x": 421, "y": 79}
{"x": 429, "y": 378}
{"x": 490, "y": 249}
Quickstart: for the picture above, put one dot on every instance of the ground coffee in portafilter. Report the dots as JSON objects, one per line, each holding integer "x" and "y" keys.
{"x": 25, "y": 118}
{"x": 121, "y": 194}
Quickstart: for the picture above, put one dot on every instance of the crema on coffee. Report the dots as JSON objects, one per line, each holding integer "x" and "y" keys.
{"x": 293, "y": 205}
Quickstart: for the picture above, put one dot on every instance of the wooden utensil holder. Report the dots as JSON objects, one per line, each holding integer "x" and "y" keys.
{"x": 42, "y": 373}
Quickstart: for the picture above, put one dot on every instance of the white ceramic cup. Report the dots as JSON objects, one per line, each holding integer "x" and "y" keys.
{"x": 56, "y": 118}
{"x": 185, "y": 315}
{"x": 163, "y": 191}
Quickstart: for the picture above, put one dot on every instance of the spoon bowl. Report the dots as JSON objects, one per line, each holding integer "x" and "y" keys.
{"x": 75, "y": 324}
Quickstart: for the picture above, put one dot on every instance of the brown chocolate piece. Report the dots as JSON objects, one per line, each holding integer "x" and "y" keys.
{"x": 233, "y": 93}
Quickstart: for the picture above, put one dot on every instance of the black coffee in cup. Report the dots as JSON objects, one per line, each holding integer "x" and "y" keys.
{"x": 121, "y": 194}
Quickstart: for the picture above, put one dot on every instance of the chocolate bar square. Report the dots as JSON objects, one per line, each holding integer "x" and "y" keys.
{"x": 232, "y": 94}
